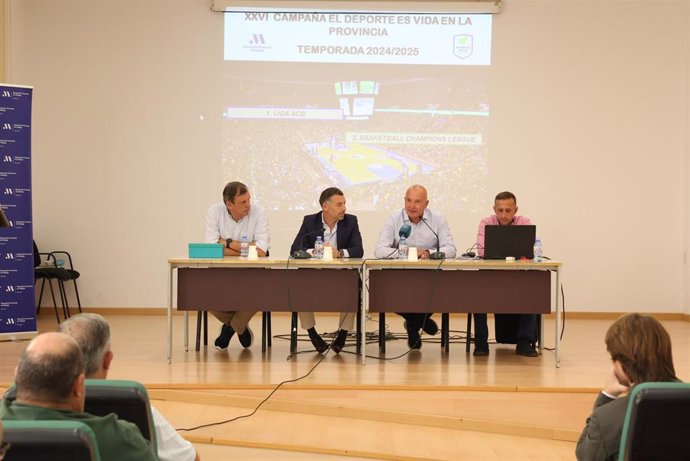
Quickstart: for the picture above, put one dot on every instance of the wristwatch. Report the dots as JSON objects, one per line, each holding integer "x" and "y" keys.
{"x": 228, "y": 241}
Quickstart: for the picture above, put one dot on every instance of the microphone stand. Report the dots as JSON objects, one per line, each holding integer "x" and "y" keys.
{"x": 302, "y": 254}
{"x": 438, "y": 254}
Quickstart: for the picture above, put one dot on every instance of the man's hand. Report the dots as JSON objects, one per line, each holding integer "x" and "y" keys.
{"x": 423, "y": 254}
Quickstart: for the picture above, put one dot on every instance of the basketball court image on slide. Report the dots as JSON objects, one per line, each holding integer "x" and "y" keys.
{"x": 361, "y": 164}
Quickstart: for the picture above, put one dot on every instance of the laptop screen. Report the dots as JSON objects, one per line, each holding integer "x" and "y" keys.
{"x": 503, "y": 241}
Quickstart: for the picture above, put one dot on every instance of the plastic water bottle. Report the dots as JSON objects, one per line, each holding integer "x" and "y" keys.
{"x": 244, "y": 247}
{"x": 318, "y": 248}
{"x": 538, "y": 251}
{"x": 402, "y": 248}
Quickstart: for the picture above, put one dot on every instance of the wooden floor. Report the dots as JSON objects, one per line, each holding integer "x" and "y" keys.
{"x": 426, "y": 405}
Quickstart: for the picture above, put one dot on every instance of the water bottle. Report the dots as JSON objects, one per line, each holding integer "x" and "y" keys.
{"x": 318, "y": 248}
{"x": 244, "y": 247}
{"x": 538, "y": 251}
{"x": 402, "y": 248}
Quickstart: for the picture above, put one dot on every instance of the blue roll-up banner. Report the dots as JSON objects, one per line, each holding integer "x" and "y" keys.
{"x": 17, "y": 303}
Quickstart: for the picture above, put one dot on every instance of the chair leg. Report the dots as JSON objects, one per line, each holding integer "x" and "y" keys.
{"x": 63, "y": 297}
{"x": 76, "y": 291}
{"x": 269, "y": 334}
{"x": 293, "y": 333}
{"x": 264, "y": 330}
{"x": 205, "y": 328}
{"x": 358, "y": 329}
{"x": 40, "y": 295}
{"x": 382, "y": 332}
{"x": 469, "y": 332}
{"x": 445, "y": 331}
{"x": 52, "y": 295}
{"x": 199, "y": 314}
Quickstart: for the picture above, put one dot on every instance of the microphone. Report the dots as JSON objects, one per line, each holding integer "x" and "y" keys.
{"x": 469, "y": 253}
{"x": 438, "y": 254}
{"x": 302, "y": 254}
{"x": 405, "y": 231}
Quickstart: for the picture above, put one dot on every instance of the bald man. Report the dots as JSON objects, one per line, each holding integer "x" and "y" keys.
{"x": 430, "y": 231}
{"x": 50, "y": 386}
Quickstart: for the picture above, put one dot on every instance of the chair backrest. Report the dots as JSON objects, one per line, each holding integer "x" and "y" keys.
{"x": 657, "y": 423}
{"x": 127, "y": 399}
{"x": 50, "y": 441}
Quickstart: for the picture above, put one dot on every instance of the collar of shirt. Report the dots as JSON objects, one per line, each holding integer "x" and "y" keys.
{"x": 328, "y": 234}
{"x": 421, "y": 236}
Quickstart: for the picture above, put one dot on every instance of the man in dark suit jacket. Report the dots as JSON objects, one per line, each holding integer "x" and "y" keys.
{"x": 340, "y": 233}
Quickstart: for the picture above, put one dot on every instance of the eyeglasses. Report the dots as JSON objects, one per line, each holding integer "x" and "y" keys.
{"x": 3, "y": 449}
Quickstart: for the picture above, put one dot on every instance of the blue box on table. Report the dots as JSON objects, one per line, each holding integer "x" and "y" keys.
{"x": 205, "y": 250}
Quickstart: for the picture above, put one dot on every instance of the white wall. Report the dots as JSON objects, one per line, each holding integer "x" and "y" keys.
{"x": 589, "y": 128}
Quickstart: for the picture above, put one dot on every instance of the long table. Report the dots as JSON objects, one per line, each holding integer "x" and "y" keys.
{"x": 389, "y": 286}
{"x": 455, "y": 285}
{"x": 275, "y": 285}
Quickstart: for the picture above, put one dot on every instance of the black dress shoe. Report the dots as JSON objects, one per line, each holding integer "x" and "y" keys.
{"x": 430, "y": 327}
{"x": 525, "y": 348}
{"x": 481, "y": 348}
{"x": 317, "y": 341}
{"x": 223, "y": 340}
{"x": 339, "y": 342}
{"x": 247, "y": 337}
{"x": 414, "y": 341}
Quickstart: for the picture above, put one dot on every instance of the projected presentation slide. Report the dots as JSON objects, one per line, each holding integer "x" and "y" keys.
{"x": 372, "y": 127}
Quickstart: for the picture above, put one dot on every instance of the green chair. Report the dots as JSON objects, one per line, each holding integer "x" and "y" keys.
{"x": 657, "y": 423}
{"x": 50, "y": 441}
{"x": 127, "y": 399}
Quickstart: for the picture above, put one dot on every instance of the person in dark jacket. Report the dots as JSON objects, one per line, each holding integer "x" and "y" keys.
{"x": 341, "y": 237}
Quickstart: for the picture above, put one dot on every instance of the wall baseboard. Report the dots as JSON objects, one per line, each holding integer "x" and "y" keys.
{"x": 568, "y": 315}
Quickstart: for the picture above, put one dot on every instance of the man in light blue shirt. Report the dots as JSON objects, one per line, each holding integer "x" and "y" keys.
{"x": 430, "y": 232}
{"x": 226, "y": 223}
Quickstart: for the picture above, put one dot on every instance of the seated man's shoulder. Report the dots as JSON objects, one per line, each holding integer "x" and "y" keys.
{"x": 109, "y": 422}
{"x": 215, "y": 208}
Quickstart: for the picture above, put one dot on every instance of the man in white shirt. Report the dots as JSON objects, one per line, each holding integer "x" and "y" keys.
{"x": 92, "y": 334}
{"x": 227, "y": 223}
{"x": 430, "y": 234}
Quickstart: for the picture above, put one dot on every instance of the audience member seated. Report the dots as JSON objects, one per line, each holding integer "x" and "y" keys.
{"x": 50, "y": 386}
{"x": 640, "y": 350}
{"x": 92, "y": 333}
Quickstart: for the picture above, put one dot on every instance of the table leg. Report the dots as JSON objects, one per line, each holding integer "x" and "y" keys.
{"x": 170, "y": 305}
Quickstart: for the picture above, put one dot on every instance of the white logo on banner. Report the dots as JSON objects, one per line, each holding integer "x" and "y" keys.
{"x": 9, "y": 256}
{"x": 6, "y": 94}
{"x": 9, "y": 289}
{"x": 8, "y": 191}
{"x": 10, "y": 322}
{"x": 7, "y": 158}
{"x": 6, "y": 126}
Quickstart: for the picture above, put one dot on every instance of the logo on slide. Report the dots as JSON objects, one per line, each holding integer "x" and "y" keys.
{"x": 462, "y": 46}
{"x": 6, "y": 94}
{"x": 257, "y": 43}
{"x": 257, "y": 39}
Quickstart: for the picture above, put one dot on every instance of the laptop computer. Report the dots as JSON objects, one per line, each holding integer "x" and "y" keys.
{"x": 503, "y": 241}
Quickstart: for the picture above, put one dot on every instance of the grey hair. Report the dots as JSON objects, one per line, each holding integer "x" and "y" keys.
{"x": 92, "y": 333}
